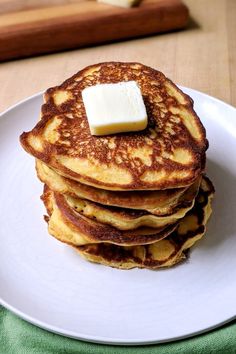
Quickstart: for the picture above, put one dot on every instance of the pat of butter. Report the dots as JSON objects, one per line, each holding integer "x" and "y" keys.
{"x": 122, "y": 3}
{"x": 114, "y": 108}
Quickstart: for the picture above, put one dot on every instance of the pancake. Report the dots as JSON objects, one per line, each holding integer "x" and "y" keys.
{"x": 128, "y": 219}
{"x": 169, "y": 153}
{"x": 163, "y": 202}
{"x": 69, "y": 226}
{"x": 123, "y": 219}
{"x": 164, "y": 253}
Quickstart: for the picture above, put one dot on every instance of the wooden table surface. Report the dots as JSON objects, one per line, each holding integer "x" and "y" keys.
{"x": 202, "y": 57}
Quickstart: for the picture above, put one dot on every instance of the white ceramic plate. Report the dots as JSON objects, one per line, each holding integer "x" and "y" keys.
{"x": 47, "y": 283}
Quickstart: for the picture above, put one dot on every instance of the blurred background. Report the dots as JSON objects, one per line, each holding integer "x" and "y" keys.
{"x": 44, "y": 42}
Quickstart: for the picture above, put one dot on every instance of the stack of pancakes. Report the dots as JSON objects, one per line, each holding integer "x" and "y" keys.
{"x": 137, "y": 199}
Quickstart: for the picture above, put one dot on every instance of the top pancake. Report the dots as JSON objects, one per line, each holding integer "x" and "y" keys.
{"x": 169, "y": 153}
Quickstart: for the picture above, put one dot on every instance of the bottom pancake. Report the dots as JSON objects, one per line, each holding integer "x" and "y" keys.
{"x": 164, "y": 253}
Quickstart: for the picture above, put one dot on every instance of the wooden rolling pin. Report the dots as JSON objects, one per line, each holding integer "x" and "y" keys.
{"x": 52, "y": 29}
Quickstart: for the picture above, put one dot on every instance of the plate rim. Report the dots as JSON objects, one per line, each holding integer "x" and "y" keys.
{"x": 183, "y": 88}
{"x": 101, "y": 339}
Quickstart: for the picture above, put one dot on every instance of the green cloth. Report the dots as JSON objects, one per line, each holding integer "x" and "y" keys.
{"x": 20, "y": 337}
